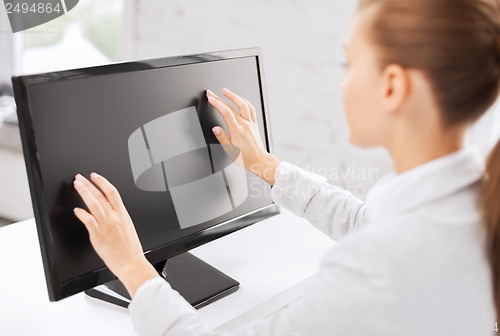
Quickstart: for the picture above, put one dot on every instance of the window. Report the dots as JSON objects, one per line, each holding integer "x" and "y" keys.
{"x": 93, "y": 33}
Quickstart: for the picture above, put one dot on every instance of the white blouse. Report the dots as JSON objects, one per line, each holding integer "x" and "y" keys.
{"x": 412, "y": 262}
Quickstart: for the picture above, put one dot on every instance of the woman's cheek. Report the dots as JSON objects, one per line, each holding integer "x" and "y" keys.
{"x": 349, "y": 101}
{"x": 346, "y": 94}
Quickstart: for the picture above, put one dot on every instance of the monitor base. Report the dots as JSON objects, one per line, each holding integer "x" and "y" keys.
{"x": 198, "y": 282}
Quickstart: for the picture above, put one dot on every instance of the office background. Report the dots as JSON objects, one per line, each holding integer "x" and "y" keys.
{"x": 302, "y": 43}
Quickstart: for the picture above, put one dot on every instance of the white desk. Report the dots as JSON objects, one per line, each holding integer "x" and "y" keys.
{"x": 272, "y": 260}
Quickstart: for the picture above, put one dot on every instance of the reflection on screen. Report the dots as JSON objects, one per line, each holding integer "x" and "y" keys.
{"x": 186, "y": 168}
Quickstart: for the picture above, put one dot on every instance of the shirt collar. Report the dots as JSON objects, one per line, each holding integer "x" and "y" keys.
{"x": 398, "y": 193}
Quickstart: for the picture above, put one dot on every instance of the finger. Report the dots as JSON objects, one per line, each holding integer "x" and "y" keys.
{"x": 221, "y": 135}
{"x": 235, "y": 113}
{"x": 231, "y": 150}
{"x": 253, "y": 114}
{"x": 90, "y": 201}
{"x": 109, "y": 190}
{"x": 96, "y": 192}
{"x": 239, "y": 102}
{"x": 87, "y": 219}
{"x": 227, "y": 114}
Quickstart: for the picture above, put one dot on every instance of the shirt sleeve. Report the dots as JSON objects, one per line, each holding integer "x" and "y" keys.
{"x": 331, "y": 209}
{"x": 156, "y": 308}
{"x": 339, "y": 300}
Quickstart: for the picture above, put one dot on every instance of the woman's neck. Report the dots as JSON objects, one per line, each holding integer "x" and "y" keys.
{"x": 418, "y": 147}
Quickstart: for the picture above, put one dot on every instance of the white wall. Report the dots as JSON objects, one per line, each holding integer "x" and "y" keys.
{"x": 302, "y": 46}
{"x": 486, "y": 132}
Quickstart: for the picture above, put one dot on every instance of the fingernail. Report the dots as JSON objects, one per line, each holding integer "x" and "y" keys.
{"x": 216, "y": 130}
{"x": 94, "y": 175}
{"x": 226, "y": 90}
{"x": 78, "y": 183}
{"x": 79, "y": 177}
{"x": 210, "y": 93}
{"x": 211, "y": 98}
{"x": 75, "y": 210}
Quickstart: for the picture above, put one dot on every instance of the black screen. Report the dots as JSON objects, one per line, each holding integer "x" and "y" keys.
{"x": 84, "y": 125}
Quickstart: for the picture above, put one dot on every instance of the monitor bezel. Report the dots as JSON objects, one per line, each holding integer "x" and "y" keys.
{"x": 57, "y": 289}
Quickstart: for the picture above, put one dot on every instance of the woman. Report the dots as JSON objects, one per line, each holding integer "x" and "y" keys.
{"x": 422, "y": 258}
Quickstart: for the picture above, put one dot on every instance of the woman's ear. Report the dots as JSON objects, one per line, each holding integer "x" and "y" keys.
{"x": 396, "y": 86}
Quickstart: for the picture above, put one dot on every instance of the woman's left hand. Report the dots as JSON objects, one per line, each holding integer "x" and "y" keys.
{"x": 112, "y": 232}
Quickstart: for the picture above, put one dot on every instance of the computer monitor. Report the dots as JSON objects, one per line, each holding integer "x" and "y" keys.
{"x": 146, "y": 126}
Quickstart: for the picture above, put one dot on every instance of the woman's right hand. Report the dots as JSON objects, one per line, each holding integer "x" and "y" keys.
{"x": 244, "y": 134}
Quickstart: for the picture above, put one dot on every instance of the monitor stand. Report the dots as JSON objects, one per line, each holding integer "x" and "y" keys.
{"x": 198, "y": 282}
